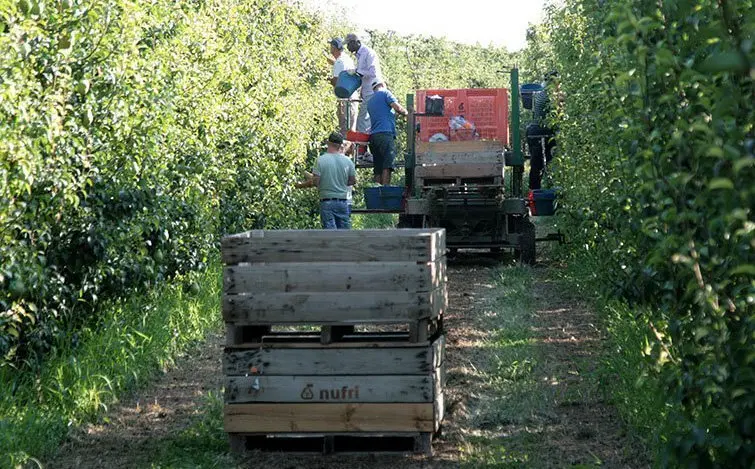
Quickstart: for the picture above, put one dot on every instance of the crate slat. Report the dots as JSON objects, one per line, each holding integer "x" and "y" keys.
{"x": 482, "y": 157}
{"x": 443, "y": 171}
{"x": 365, "y": 388}
{"x": 303, "y": 277}
{"x": 412, "y": 245}
{"x": 335, "y": 360}
{"x": 334, "y": 307}
{"x": 316, "y": 417}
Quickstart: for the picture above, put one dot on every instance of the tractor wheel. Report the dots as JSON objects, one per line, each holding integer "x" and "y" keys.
{"x": 526, "y": 252}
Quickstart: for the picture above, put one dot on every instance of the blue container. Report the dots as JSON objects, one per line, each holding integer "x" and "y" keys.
{"x": 384, "y": 197}
{"x": 347, "y": 84}
{"x": 542, "y": 202}
{"x": 527, "y": 91}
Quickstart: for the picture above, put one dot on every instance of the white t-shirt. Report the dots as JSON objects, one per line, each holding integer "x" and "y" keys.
{"x": 342, "y": 63}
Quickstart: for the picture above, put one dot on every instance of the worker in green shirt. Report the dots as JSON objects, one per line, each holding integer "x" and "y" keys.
{"x": 333, "y": 174}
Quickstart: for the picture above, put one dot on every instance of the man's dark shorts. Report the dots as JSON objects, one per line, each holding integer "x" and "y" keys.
{"x": 383, "y": 149}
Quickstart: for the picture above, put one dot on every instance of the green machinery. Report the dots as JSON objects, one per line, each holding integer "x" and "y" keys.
{"x": 473, "y": 189}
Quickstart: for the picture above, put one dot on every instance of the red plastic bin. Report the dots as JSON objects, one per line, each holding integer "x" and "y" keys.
{"x": 353, "y": 136}
{"x": 486, "y": 108}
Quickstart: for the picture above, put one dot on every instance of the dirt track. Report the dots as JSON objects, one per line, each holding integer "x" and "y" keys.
{"x": 575, "y": 426}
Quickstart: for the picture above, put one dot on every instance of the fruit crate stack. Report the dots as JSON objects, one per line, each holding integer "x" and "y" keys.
{"x": 334, "y": 339}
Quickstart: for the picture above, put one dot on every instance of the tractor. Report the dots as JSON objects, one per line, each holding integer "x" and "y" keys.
{"x": 468, "y": 179}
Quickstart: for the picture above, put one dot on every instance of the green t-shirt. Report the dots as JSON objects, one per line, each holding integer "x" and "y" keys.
{"x": 334, "y": 170}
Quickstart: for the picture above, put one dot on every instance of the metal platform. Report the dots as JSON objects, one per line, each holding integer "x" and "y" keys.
{"x": 372, "y": 210}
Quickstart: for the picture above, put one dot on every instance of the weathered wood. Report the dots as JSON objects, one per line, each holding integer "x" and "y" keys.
{"x": 298, "y": 277}
{"x": 482, "y": 157}
{"x": 333, "y": 308}
{"x": 357, "y": 388}
{"x": 418, "y": 331}
{"x": 417, "y": 206}
{"x": 330, "y": 417}
{"x": 329, "y": 334}
{"x": 335, "y": 359}
{"x": 407, "y": 245}
{"x": 308, "y": 340}
{"x": 468, "y": 146}
{"x": 459, "y": 171}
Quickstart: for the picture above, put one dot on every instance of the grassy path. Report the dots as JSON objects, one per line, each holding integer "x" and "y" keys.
{"x": 522, "y": 392}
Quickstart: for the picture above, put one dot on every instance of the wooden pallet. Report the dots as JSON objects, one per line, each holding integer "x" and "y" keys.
{"x": 257, "y": 335}
{"x": 334, "y": 443}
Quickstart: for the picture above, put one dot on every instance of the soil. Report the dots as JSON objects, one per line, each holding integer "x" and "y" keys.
{"x": 576, "y": 430}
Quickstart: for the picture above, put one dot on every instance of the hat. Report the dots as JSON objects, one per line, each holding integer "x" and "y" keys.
{"x": 376, "y": 83}
{"x": 352, "y": 37}
{"x": 337, "y": 43}
{"x": 335, "y": 138}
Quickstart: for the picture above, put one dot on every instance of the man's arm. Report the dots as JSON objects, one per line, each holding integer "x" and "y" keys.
{"x": 309, "y": 182}
{"x": 367, "y": 63}
{"x": 399, "y": 108}
{"x": 352, "y": 181}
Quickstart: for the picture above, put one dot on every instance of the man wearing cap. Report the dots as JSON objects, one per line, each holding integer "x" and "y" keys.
{"x": 333, "y": 173}
{"x": 368, "y": 68}
{"x": 342, "y": 62}
{"x": 382, "y": 108}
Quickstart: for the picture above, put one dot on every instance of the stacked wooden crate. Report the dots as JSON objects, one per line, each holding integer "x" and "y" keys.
{"x": 334, "y": 338}
{"x": 457, "y": 163}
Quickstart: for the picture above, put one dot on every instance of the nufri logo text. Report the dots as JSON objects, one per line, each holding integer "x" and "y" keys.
{"x": 344, "y": 393}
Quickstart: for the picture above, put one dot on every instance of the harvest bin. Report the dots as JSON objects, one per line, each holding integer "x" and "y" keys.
{"x": 384, "y": 197}
{"x": 542, "y": 202}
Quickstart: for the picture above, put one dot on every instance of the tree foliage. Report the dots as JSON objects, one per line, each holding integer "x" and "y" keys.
{"x": 656, "y": 168}
{"x": 132, "y": 134}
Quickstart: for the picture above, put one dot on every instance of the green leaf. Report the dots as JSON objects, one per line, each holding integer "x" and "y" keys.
{"x": 746, "y": 269}
{"x": 729, "y": 61}
{"x": 720, "y": 183}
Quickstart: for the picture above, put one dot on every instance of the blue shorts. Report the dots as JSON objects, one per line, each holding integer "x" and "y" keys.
{"x": 383, "y": 149}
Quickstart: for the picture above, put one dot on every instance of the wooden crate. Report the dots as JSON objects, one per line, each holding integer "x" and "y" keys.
{"x": 325, "y": 380}
{"x": 334, "y": 389}
{"x": 333, "y": 278}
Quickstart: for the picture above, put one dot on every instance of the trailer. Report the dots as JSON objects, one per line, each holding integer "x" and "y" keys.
{"x": 471, "y": 185}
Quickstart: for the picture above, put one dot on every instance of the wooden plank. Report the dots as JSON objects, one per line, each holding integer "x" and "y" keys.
{"x": 357, "y": 388}
{"x": 482, "y": 157}
{"x": 467, "y": 146}
{"x": 320, "y": 360}
{"x": 459, "y": 171}
{"x": 417, "y": 206}
{"x": 297, "y": 277}
{"x": 333, "y": 308}
{"x": 407, "y": 245}
{"x": 329, "y": 417}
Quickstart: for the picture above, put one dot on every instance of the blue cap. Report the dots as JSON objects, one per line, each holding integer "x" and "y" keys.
{"x": 337, "y": 43}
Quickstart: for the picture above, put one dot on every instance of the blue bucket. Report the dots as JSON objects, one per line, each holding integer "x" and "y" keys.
{"x": 384, "y": 197}
{"x": 542, "y": 202}
{"x": 528, "y": 91}
{"x": 347, "y": 84}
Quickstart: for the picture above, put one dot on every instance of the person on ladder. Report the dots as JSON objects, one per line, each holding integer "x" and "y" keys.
{"x": 347, "y": 108}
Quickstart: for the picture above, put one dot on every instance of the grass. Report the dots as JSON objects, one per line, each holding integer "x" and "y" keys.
{"x": 513, "y": 394}
{"x": 625, "y": 372}
{"x": 135, "y": 339}
{"x": 203, "y": 444}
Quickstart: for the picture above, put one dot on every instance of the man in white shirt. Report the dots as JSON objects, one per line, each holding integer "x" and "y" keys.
{"x": 342, "y": 62}
{"x": 368, "y": 68}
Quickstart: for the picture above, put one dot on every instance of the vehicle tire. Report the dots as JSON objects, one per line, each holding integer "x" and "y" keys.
{"x": 526, "y": 252}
